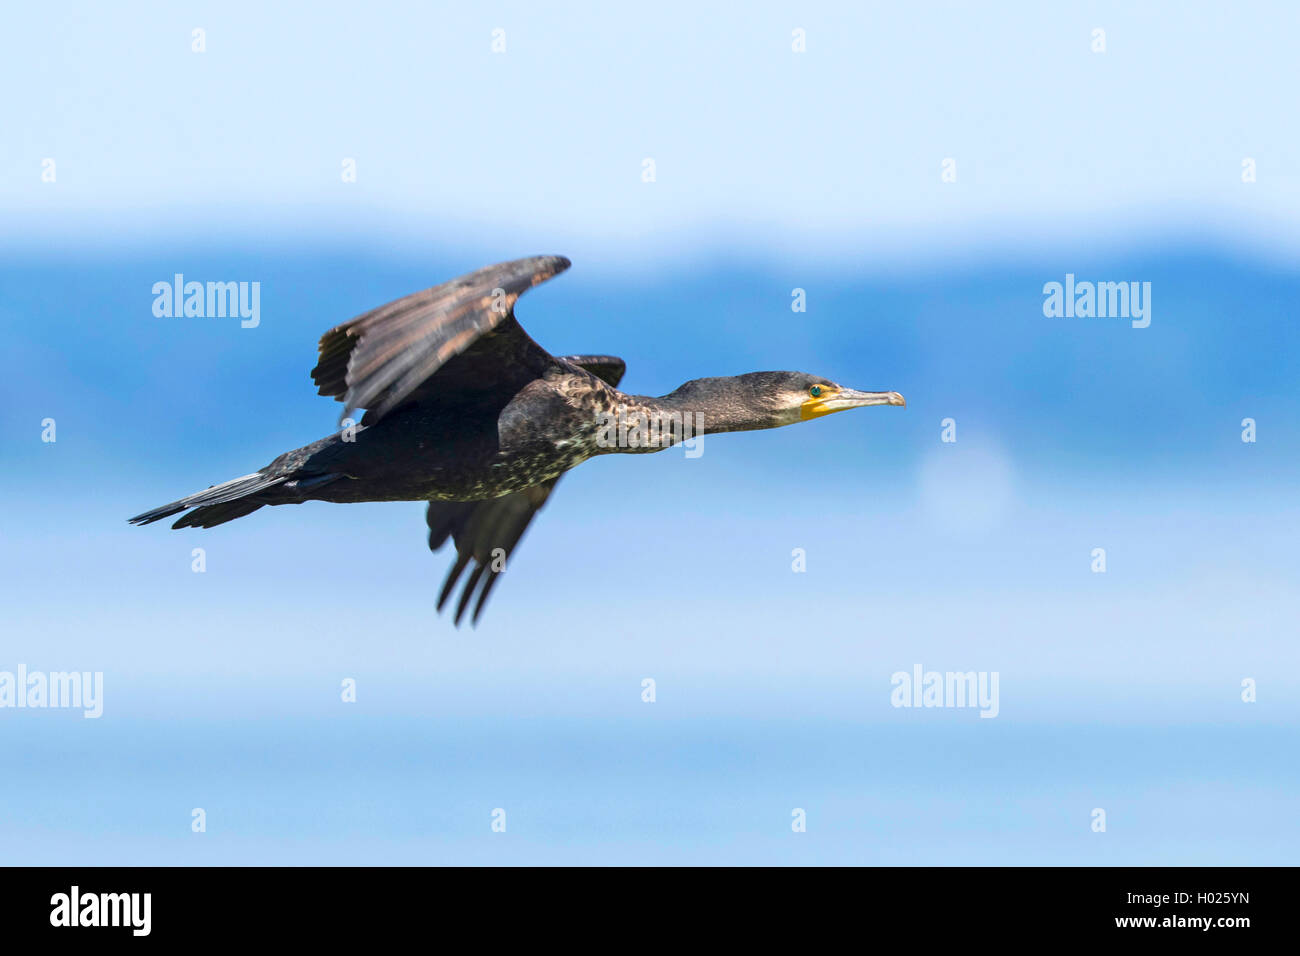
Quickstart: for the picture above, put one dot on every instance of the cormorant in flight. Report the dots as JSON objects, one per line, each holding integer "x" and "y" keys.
{"x": 466, "y": 412}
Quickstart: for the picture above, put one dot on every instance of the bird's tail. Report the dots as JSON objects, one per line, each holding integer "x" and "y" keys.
{"x": 218, "y": 504}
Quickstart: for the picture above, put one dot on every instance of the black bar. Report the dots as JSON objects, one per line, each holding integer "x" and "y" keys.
{"x": 1030, "y": 903}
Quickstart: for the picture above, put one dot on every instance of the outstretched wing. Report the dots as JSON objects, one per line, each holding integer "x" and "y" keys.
{"x": 486, "y": 532}
{"x": 378, "y": 359}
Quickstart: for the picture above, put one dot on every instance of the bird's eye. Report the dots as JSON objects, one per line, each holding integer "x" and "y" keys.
{"x": 815, "y": 391}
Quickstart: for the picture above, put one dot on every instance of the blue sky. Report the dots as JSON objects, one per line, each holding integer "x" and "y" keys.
{"x": 756, "y": 147}
{"x": 774, "y": 171}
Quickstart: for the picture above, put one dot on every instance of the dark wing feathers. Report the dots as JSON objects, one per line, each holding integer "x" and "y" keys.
{"x": 378, "y": 359}
{"x": 480, "y": 527}
{"x": 609, "y": 368}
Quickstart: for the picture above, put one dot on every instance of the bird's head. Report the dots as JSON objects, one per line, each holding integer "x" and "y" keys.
{"x": 773, "y": 399}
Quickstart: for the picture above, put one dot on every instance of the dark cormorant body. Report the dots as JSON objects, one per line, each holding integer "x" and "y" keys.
{"x": 465, "y": 411}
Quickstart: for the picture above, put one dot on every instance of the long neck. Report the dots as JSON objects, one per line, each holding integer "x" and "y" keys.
{"x": 647, "y": 423}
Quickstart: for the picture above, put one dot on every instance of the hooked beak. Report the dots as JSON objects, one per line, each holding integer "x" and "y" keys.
{"x": 847, "y": 398}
